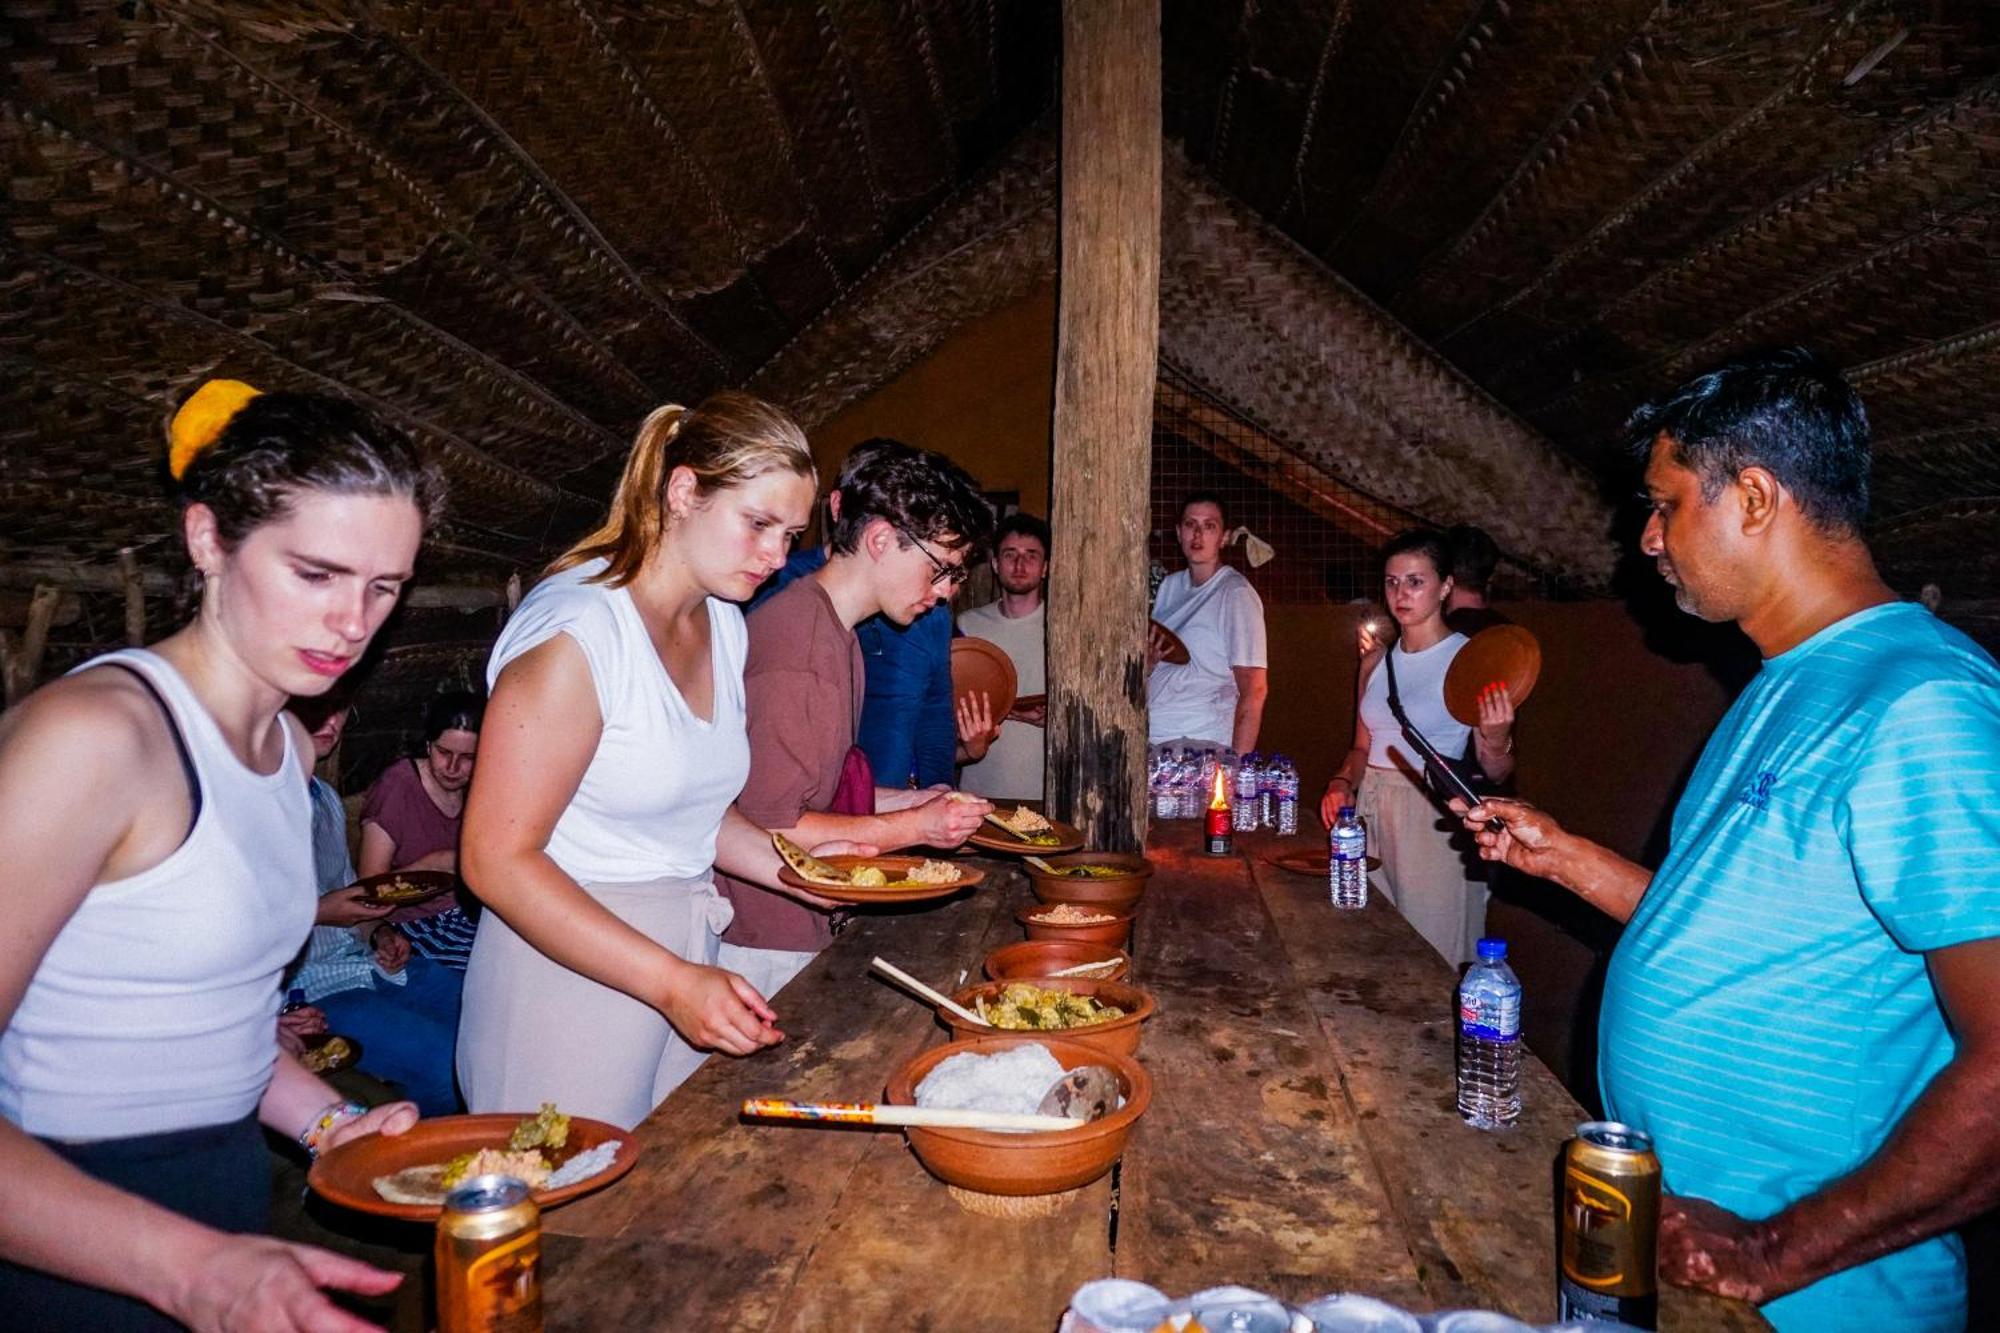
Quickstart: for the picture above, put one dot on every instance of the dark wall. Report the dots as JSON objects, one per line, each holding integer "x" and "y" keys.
{"x": 1604, "y": 744}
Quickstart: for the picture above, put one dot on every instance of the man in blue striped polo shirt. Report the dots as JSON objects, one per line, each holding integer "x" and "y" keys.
{"x": 1804, "y": 1010}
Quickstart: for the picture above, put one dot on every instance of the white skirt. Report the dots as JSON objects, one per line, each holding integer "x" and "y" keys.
{"x": 533, "y": 1031}
{"x": 1427, "y": 866}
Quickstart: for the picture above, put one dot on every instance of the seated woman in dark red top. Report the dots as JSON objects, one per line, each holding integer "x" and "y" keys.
{"x": 410, "y": 822}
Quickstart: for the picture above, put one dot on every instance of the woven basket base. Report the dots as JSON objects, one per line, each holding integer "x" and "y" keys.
{"x": 1021, "y": 1206}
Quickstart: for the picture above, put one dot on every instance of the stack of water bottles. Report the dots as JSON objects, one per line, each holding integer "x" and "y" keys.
{"x": 1263, "y": 793}
{"x": 1175, "y": 781}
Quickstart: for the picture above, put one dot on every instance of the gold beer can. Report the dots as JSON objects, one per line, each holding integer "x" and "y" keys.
{"x": 489, "y": 1258}
{"x": 1610, "y": 1227}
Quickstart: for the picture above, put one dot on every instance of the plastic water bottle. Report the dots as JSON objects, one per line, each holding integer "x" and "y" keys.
{"x": 1267, "y": 794}
{"x": 1243, "y": 809}
{"x": 1489, "y": 1040}
{"x": 1288, "y": 797}
{"x": 1347, "y": 860}
{"x": 1161, "y": 784}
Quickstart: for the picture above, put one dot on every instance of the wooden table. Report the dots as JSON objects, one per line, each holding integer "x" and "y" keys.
{"x": 1303, "y": 1139}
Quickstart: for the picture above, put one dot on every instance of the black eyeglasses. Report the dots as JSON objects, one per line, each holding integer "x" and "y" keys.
{"x": 947, "y": 575}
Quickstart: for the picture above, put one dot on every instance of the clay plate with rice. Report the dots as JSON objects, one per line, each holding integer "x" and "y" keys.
{"x": 405, "y": 888}
{"x": 403, "y": 1175}
{"x": 873, "y": 880}
{"x": 1028, "y": 830}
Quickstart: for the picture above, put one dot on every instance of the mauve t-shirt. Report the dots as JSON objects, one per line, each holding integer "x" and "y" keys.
{"x": 401, "y": 808}
{"x": 802, "y": 684}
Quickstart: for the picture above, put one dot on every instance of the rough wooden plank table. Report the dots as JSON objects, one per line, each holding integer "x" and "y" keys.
{"x": 1302, "y": 1140}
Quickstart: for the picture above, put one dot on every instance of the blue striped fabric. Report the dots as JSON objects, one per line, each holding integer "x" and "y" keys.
{"x": 444, "y": 938}
{"x": 1767, "y": 1016}
{"x": 335, "y": 960}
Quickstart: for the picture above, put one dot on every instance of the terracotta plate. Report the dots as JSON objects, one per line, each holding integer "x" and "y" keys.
{"x": 418, "y": 886}
{"x": 979, "y": 664}
{"x": 1177, "y": 652}
{"x": 993, "y": 838}
{"x": 1312, "y": 863}
{"x": 893, "y": 867}
{"x": 346, "y": 1175}
{"x": 1504, "y": 653}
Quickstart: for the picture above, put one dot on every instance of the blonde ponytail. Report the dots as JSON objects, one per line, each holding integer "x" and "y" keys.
{"x": 725, "y": 440}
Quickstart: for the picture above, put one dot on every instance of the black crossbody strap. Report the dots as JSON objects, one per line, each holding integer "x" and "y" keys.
{"x": 180, "y": 741}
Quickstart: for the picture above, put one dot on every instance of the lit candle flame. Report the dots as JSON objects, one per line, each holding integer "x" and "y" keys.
{"x": 1219, "y": 798}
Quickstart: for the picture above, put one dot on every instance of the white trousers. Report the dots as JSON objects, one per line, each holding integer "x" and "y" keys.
{"x": 533, "y": 1031}
{"x": 1425, "y": 869}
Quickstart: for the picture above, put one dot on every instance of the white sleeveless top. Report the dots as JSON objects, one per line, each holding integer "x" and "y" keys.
{"x": 652, "y": 800}
{"x": 1420, "y": 683}
{"x": 155, "y": 1007}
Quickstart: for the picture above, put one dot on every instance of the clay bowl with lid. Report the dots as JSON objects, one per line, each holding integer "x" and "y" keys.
{"x": 1049, "y": 1162}
{"x": 1043, "y": 958}
{"x": 1114, "y": 932}
{"x": 1118, "y": 1036}
{"x": 1119, "y": 892}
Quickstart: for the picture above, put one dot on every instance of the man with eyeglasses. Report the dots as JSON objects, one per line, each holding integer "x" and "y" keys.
{"x": 905, "y": 523}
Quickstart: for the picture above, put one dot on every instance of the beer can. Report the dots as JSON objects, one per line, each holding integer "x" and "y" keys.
{"x": 1607, "y": 1269}
{"x": 489, "y": 1258}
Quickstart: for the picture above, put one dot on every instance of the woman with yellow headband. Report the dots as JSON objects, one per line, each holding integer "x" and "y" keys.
{"x": 154, "y": 808}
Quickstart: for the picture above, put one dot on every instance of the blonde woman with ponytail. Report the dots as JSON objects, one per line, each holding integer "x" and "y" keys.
{"x": 614, "y": 746}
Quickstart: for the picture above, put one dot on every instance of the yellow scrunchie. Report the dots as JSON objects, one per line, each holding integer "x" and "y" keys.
{"x": 201, "y": 421}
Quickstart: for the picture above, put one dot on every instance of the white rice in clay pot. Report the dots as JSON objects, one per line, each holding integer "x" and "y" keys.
{"x": 1011, "y": 1080}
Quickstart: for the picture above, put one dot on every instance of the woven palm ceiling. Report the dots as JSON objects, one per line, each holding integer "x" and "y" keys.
{"x": 513, "y": 227}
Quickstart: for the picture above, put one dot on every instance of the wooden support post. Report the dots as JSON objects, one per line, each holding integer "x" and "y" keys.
{"x": 22, "y": 661}
{"x": 135, "y": 597}
{"x": 1107, "y": 357}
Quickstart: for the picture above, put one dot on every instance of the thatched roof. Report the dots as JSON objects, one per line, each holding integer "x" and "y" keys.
{"x": 1438, "y": 249}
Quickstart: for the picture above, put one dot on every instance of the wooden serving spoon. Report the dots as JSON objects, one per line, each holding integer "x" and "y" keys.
{"x": 1083, "y": 1094}
{"x": 939, "y": 998}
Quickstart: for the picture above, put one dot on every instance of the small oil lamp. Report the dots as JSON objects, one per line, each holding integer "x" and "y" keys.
{"x": 1218, "y": 843}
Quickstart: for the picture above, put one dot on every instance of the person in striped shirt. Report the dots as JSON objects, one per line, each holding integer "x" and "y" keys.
{"x": 1804, "y": 1009}
{"x": 358, "y": 973}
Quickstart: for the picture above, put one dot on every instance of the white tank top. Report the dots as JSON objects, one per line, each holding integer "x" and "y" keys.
{"x": 1420, "y": 684}
{"x": 652, "y": 798}
{"x": 155, "y": 1007}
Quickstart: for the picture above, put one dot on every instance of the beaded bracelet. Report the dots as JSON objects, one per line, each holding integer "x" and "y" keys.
{"x": 316, "y": 1128}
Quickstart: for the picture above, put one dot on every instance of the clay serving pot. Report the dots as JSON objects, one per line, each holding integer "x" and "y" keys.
{"x": 1041, "y": 958}
{"x": 1106, "y": 893}
{"x": 1119, "y": 1035}
{"x": 1114, "y": 932}
{"x": 1022, "y": 1164}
